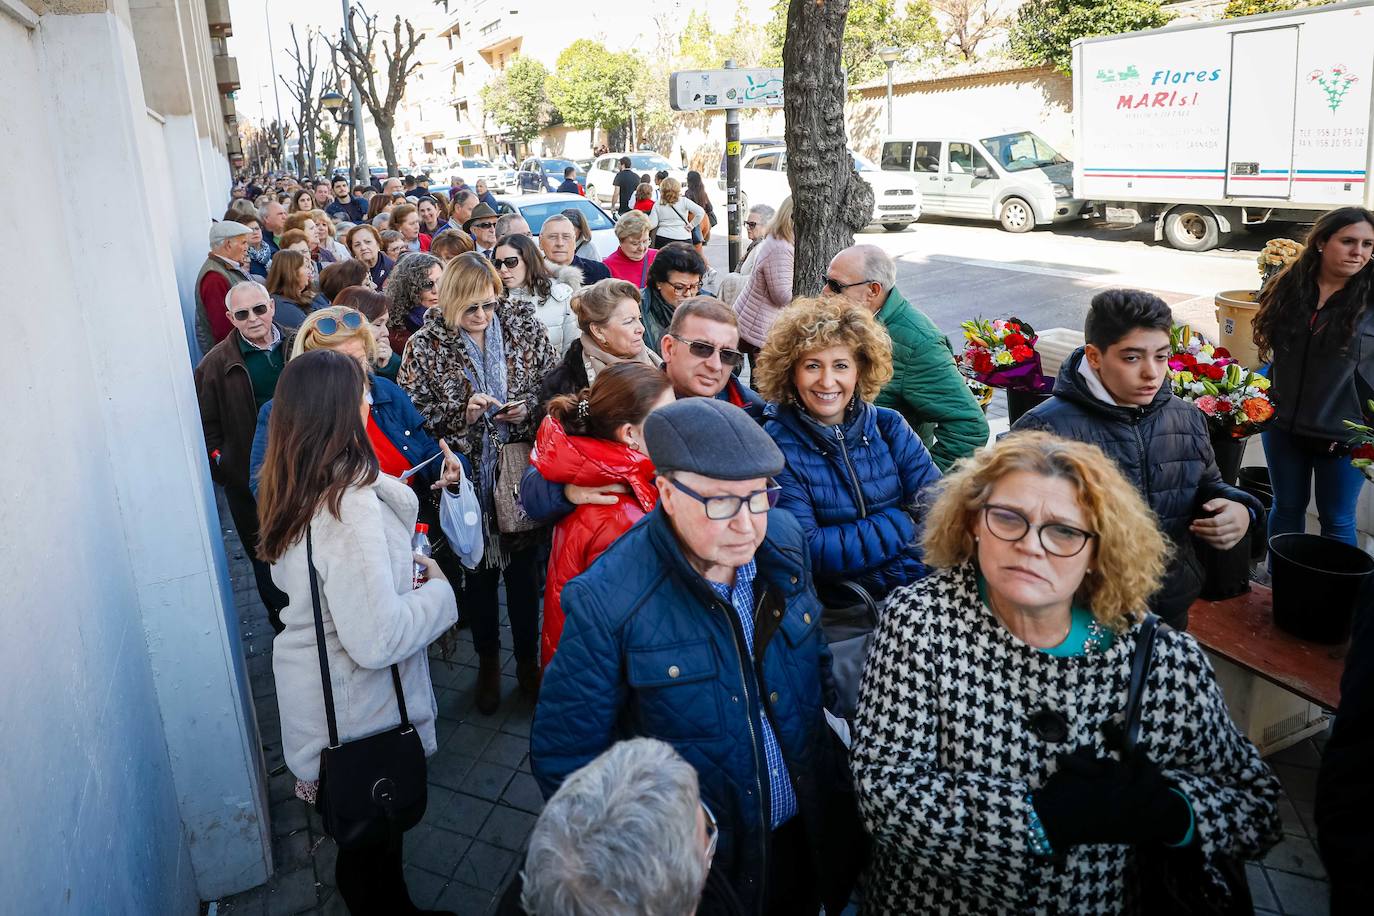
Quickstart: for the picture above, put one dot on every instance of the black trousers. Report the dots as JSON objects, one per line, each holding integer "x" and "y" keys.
{"x": 243, "y": 509}
{"x": 483, "y": 611}
{"x": 791, "y": 889}
{"x": 370, "y": 880}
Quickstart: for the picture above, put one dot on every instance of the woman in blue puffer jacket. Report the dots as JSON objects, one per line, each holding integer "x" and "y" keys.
{"x": 855, "y": 473}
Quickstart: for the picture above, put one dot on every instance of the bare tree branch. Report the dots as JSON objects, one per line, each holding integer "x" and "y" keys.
{"x": 398, "y": 54}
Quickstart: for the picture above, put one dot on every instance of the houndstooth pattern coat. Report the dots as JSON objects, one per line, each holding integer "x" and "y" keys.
{"x": 944, "y": 758}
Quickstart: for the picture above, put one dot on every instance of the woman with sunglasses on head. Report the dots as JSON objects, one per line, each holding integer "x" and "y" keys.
{"x": 541, "y": 287}
{"x": 336, "y": 527}
{"x": 595, "y": 438}
{"x": 413, "y": 288}
{"x": 855, "y": 473}
{"x": 474, "y": 370}
{"x": 768, "y": 290}
{"x": 376, "y": 308}
{"x": 984, "y": 772}
{"x": 612, "y": 332}
{"x": 674, "y": 278}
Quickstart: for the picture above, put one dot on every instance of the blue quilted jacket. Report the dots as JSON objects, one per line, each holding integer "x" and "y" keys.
{"x": 855, "y": 488}
{"x": 649, "y": 650}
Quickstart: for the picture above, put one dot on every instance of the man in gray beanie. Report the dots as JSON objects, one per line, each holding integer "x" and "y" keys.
{"x": 700, "y": 627}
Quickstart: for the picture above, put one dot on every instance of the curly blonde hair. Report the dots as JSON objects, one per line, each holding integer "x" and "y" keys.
{"x": 810, "y": 325}
{"x": 1131, "y": 552}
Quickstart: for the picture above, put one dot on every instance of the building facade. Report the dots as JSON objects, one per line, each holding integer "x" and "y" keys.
{"x": 132, "y": 770}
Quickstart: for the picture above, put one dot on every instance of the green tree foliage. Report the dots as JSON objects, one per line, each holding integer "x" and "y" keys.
{"x": 516, "y": 98}
{"x": 872, "y": 25}
{"x": 701, "y": 47}
{"x": 592, "y": 87}
{"x": 1238, "y": 8}
{"x": 1045, "y": 30}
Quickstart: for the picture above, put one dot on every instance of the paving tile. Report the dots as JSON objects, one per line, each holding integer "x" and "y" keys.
{"x": 332, "y": 904}
{"x": 434, "y": 849}
{"x": 523, "y": 793}
{"x": 506, "y": 750}
{"x": 443, "y": 730}
{"x": 326, "y": 859}
{"x": 1292, "y": 823}
{"x": 464, "y": 814}
{"x": 1297, "y": 855}
{"x": 1303, "y": 754}
{"x": 508, "y": 828}
{"x": 487, "y": 780}
{"x": 424, "y": 887}
{"x": 293, "y": 892}
{"x": 1300, "y": 896}
{"x": 289, "y": 816}
{"x": 291, "y": 852}
{"x": 465, "y": 899}
{"x": 471, "y": 738}
{"x": 281, "y": 787}
{"x": 448, "y": 769}
{"x": 1299, "y": 783}
{"x": 1260, "y": 891}
{"x": 453, "y": 704}
{"x": 249, "y": 903}
{"x": 485, "y": 866}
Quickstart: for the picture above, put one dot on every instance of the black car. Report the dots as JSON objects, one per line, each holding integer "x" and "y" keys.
{"x": 537, "y": 176}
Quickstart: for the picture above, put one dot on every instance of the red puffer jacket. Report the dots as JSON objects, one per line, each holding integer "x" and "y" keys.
{"x": 579, "y": 538}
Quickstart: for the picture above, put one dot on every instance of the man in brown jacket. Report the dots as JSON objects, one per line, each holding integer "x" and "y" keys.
{"x": 233, "y": 381}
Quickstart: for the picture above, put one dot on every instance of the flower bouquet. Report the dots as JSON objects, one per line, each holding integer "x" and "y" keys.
{"x": 1001, "y": 353}
{"x": 1234, "y": 398}
{"x": 1362, "y": 445}
{"x": 1277, "y": 255}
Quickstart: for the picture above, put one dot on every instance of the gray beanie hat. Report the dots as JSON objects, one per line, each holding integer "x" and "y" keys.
{"x": 712, "y": 438}
{"x": 227, "y": 229}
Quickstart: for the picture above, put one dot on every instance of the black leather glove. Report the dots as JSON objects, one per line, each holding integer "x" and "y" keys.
{"x": 1092, "y": 799}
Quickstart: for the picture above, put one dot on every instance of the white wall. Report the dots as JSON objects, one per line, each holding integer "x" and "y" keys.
{"x": 132, "y": 769}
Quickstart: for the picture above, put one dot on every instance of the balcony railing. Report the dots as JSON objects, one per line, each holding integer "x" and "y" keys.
{"x": 226, "y": 73}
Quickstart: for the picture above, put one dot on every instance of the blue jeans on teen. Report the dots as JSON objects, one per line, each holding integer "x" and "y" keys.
{"x": 1291, "y": 472}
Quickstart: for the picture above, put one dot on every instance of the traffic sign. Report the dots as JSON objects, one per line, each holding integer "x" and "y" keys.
{"x": 696, "y": 90}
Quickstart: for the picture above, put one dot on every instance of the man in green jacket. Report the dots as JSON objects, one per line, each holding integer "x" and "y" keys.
{"x": 926, "y": 387}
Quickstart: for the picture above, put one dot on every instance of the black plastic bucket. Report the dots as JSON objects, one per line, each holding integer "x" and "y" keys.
{"x": 1316, "y": 585}
{"x": 1255, "y": 481}
{"x": 1020, "y": 400}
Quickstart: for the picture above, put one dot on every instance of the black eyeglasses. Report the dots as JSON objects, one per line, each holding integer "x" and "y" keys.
{"x": 1058, "y": 539}
{"x": 484, "y": 306}
{"x": 508, "y": 263}
{"x": 259, "y": 309}
{"x": 329, "y": 325}
{"x": 484, "y": 225}
{"x": 835, "y": 286}
{"x": 750, "y": 224}
{"x": 702, "y": 350}
{"x": 723, "y": 508}
{"x": 685, "y": 289}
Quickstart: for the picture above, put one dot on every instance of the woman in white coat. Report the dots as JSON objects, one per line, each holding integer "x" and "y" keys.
{"x": 544, "y": 287}
{"x": 320, "y": 473}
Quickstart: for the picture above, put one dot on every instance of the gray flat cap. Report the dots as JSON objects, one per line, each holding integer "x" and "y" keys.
{"x": 227, "y": 229}
{"x": 710, "y": 437}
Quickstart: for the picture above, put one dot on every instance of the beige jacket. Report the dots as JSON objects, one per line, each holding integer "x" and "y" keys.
{"x": 373, "y": 618}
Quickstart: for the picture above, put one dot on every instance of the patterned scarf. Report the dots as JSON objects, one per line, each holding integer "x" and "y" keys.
{"x": 486, "y": 372}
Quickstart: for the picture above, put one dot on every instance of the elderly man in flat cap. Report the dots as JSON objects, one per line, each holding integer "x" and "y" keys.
{"x": 700, "y": 627}
{"x": 225, "y": 266}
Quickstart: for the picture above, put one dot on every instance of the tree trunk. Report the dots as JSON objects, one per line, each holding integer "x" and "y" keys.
{"x": 388, "y": 147}
{"x": 830, "y": 202}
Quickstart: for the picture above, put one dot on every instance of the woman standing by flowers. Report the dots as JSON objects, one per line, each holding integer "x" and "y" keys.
{"x": 1317, "y": 329}
{"x": 473, "y": 371}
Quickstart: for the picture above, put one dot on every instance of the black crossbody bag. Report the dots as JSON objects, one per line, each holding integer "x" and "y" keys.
{"x": 373, "y": 786}
{"x": 1175, "y": 881}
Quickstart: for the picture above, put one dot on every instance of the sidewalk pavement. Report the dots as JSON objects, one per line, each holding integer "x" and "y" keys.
{"x": 483, "y": 800}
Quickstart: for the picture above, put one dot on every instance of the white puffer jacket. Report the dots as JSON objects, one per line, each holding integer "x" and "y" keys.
{"x": 554, "y": 311}
{"x": 373, "y": 619}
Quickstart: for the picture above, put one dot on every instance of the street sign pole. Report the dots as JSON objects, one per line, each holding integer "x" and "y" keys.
{"x": 732, "y": 215}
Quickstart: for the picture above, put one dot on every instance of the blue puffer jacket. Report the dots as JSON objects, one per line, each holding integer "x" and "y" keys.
{"x": 649, "y": 650}
{"x": 855, "y": 488}
{"x": 398, "y": 420}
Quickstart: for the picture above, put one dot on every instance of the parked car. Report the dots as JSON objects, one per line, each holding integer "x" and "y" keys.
{"x": 536, "y": 208}
{"x": 378, "y": 172}
{"x": 763, "y": 180}
{"x": 1015, "y": 178}
{"x": 601, "y": 175}
{"x": 539, "y": 175}
{"x": 747, "y": 146}
{"x": 475, "y": 169}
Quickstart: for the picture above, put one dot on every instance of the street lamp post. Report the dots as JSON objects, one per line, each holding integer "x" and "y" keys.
{"x": 889, "y": 56}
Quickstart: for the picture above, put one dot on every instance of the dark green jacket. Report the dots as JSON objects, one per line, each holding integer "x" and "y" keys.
{"x": 926, "y": 388}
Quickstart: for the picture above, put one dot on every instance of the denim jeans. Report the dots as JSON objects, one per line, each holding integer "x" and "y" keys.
{"x": 1291, "y": 471}
{"x": 482, "y": 608}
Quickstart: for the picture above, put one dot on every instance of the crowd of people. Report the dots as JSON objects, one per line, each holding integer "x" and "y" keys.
{"x": 683, "y": 493}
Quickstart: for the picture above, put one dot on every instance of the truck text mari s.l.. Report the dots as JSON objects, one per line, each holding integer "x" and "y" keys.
{"x": 1208, "y": 127}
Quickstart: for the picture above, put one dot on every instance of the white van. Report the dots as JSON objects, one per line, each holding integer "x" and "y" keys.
{"x": 763, "y": 180}
{"x": 1015, "y": 178}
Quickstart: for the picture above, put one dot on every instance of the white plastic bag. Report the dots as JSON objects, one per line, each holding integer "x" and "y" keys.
{"x": 461, "y": 518}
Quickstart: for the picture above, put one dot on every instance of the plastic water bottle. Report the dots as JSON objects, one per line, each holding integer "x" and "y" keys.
{"x": 420, "y": 546}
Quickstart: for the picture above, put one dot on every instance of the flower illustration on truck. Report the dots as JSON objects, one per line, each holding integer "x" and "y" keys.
{"x": 1335, "y": 83}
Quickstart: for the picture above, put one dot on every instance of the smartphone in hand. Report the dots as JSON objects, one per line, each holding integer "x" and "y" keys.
{"x": 507, "y": 408}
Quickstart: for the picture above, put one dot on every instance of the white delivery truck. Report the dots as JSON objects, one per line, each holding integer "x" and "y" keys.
{"x": 1208, "y": 127}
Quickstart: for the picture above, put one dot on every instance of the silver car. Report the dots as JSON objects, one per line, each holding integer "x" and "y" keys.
{"x": 536, "y": 208}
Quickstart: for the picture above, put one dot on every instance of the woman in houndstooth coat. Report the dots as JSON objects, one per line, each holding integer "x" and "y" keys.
{"x": 983, "y": 767}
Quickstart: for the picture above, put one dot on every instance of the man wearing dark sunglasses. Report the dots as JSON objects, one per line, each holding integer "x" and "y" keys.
{"x": 926, "y": 387}
{"x": 700, "y": 627}
{"x": 233, "y": 381}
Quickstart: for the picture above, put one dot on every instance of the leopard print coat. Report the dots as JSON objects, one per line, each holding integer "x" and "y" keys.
{"x": 944, "y": 758}
{"x": 434, "y": 372}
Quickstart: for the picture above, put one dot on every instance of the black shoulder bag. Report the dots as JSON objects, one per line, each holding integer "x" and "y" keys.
{"x": 373, "y": 786}
{"x": 1168, "y": 880}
